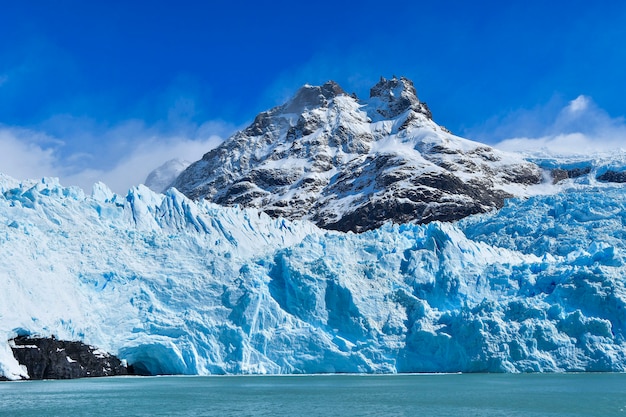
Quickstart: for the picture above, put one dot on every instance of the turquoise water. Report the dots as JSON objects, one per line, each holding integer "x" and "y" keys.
{"x": 325, "y": 395}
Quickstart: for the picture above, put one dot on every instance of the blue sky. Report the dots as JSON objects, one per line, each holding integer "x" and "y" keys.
{"x": 109, "y": 90}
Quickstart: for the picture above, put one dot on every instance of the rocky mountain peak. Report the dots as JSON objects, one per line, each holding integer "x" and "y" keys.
{"x": 395, "y": 96}
{"x": 310, "y": 96}
{"x": 350, "y": 165}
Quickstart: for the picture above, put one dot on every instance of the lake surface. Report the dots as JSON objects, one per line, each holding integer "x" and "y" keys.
{"x": 322, "y": 395}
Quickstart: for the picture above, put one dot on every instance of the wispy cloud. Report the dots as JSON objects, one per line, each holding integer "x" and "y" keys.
{"x": 577, "y": 128}
{"x": 121, "y": 156}
{"x": 26, "y": 153}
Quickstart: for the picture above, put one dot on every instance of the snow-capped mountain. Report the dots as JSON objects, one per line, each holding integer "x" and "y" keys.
{"x": 161, "y": 177}
{"x": 353, "y": 165}
{"x": 176, "y": 286}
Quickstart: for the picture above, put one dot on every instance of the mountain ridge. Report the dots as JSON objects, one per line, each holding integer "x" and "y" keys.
{"x": 352, "y": 165}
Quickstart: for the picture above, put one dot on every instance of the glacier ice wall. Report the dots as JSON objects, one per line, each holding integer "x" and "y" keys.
{"x": 174, "y": 286}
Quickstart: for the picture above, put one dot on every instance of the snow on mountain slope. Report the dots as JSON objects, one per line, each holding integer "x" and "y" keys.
{"x": 349, "y": 165}
{"x": 161, "y": 177}
{"x": 175, "y": 286}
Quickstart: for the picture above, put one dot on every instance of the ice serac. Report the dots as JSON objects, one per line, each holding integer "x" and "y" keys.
{"x": 174, "y": 286}
{"x": 352, "y": 165}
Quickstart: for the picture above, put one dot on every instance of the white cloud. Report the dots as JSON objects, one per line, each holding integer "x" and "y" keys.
{"x": 149, "y": 154}
{"x": 23, "y": 154}
{"x": 578, "y": 128}
{"x": 579, "y": 104}
{"x": 121, "y": 156}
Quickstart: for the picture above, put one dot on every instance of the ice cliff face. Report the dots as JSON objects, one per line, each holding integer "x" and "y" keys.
{"x": 174, "y": 286}
{"x": 350, "y": 165}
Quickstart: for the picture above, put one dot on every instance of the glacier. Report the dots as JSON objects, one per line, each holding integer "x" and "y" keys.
{"x": 174, "y": 286}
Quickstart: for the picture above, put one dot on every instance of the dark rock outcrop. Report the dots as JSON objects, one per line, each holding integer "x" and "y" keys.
{"x": 399, "y": 95}
{"x": 560, "y": 174}
{"x": 49, "y": 358}
{"x": 613, "y": 176}
{"x": 310, "y": 97}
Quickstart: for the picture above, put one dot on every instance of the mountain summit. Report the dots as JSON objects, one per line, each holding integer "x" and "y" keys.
{"x": 352, "y": 165}
{"x": 395, "y": 96}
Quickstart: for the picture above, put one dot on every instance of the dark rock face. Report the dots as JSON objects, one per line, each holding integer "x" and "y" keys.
{"x": 399, "y": 95}
{"x": 313, "y": 96}
{"x": 612, "y": 176}
{"x": 560, "y": 174}
{"x": 430, "y": 198}
{"x": 49, "y": 358}
{"x": 349, "y": 165}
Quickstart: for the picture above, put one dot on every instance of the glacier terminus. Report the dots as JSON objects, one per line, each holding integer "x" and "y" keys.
{"x": 268, "y": 265}
{"x": 178, "y": 287}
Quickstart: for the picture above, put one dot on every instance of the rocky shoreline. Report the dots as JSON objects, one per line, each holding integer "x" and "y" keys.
{"x": 50, "y": 358}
